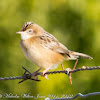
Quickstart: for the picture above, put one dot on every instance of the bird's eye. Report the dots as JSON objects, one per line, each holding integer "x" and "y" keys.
{"x": 30, "y": 31}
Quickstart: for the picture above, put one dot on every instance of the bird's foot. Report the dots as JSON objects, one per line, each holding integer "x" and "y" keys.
{"x": 68, "y": 70}
{"x": 44, "y": 75}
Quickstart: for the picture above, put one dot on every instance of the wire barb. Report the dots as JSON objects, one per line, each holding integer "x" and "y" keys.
{"x": 27, "y": 76}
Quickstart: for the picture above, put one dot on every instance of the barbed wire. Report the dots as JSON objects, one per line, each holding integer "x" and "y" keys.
{"x": 28, "y": 75}
{"x": 77, "y": 95}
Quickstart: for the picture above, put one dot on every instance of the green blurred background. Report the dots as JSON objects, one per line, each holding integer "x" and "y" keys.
{"x": 75, "y": 23}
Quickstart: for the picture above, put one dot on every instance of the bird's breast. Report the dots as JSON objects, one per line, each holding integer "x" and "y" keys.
{"x": 40, "y": 56}
{"x": 31, "y": 51}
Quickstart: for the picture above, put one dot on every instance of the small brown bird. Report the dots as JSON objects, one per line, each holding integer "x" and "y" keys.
{"x": 43, "y": 49}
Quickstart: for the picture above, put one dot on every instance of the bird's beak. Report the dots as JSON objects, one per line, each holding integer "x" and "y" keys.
{"x": 20, "y": 32}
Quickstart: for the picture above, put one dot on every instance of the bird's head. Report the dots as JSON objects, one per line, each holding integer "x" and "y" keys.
{"x": 30, "y": 29}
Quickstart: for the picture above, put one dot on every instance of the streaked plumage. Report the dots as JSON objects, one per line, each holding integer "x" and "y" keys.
{"x": 43, "y": 49}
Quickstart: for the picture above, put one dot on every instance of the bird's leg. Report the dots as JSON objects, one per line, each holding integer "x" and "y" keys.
{"x": 68, "y": 70}
{"x": 34, "y": 74}
{"x": 69, "y": 75}
{"x": 75, "y": 64}
{"x": 62, "y": 66}
{"x": 70, "y": 78}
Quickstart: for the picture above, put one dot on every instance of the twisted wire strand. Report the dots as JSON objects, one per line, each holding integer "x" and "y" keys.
{"x": 72, "y": 71}
{"x": 11, "y": 78}
{"x": 52, "y": 72}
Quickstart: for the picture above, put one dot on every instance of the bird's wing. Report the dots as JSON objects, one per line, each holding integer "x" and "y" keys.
{"x": 48, "y": 41}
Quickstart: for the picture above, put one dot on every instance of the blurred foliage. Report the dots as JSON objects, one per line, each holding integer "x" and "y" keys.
{"x": 75, "y": 23}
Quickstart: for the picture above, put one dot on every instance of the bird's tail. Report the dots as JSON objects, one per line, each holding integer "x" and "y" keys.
{"x": 75, "y": 55}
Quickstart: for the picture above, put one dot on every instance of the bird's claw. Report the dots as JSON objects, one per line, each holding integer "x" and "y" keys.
{"x": 44, "y": 75}
{"x": 68, "y": 70}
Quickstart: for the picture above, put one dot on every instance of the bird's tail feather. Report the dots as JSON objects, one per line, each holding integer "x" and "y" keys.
{"x": 75, "y": 55}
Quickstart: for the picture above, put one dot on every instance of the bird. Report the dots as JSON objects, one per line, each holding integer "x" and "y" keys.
{"x": 43, "y": 49}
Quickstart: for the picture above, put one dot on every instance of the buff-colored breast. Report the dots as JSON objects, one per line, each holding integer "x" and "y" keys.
{"x": 39, "y": 55}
